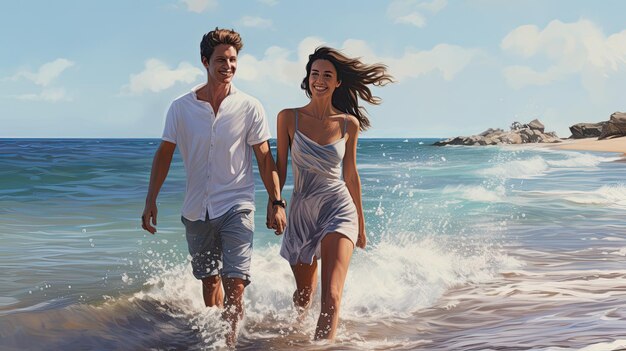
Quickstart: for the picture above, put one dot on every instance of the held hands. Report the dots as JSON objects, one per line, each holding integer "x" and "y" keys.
{"x": 280, "y": 220}
{"x": 149, "y": 215}
{"x": 276, "y": 218}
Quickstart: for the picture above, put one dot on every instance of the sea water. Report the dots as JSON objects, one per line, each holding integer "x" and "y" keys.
{"x": 469, "y": 248}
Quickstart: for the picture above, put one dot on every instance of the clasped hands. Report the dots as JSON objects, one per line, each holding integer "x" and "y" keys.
{"x": 276, "y": 218}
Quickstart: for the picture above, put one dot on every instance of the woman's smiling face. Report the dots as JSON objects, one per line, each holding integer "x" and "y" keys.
{"x": 323, "y": 78}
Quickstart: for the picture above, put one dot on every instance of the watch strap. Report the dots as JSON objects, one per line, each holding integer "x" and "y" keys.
{"x": 281, "y": 203}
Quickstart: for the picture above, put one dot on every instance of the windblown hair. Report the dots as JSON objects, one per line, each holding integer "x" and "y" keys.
{"x": 219, "y": 36}
{"x": 355, "y": 76}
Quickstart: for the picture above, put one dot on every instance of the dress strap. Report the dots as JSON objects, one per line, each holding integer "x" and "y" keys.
{"x": 345, "y": 124}
{"x": 296, "y": 110}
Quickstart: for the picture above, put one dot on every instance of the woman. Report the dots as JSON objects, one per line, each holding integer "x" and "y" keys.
{"x": 325, "y": 217}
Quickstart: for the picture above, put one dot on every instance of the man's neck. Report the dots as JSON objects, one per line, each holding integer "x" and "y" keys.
{"x": 214, "y": 93}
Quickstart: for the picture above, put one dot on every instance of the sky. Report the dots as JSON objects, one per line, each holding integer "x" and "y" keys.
{"x": 110, "y": 69}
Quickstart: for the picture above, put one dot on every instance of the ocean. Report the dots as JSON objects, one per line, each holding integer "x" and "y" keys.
{"x": 470, "y": 248}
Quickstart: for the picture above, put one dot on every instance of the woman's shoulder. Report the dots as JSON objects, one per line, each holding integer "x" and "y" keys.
{"x": 352, "y": 121}
{"x": 286, "y": 115}
{"x": 290, "y": 111}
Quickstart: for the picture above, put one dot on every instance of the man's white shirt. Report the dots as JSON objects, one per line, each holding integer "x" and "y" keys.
{"x": 216, "y": 150}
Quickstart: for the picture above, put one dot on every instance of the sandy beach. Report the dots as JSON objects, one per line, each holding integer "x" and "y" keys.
{"x": 593, "y": 144}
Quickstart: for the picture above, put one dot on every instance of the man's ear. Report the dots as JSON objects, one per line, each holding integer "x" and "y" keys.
{"x": 338, "y": 84}
{"x": 205, "y": 62}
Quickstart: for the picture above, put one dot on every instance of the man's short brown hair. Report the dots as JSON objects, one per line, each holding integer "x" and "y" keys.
{"x": 219, "y": 36}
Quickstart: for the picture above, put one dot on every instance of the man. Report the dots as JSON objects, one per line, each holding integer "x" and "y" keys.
{"x": 216, "y": 128}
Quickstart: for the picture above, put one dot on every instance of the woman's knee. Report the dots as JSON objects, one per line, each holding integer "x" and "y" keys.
{"x": 332, "y": 298}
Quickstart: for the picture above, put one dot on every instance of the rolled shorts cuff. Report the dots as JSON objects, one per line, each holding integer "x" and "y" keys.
{"x": 244, "y": 277}
{"x": 203, "y": 275}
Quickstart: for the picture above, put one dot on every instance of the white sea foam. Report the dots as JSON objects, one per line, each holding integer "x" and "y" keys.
{"x": 580, "y": 155}
{"x": 400, "y": 278}
{"x": 174, "y": 285}
{"x": 389, "y": 280}
{"x": 579, "y": 286}
{"x": 538, "y": 165}
{"x": 518, "y": 168}
{"x": 613, "y": 238}
{"x": 578, "y": 160}
{"x": 477, "y": 193}
{"x": 402, "y": 165}
{"x": 608, "y": 195}
{"x": 606, "y": 346}
{"x": 6, "y": 300}
{"x": 620, "y": 252}
{"x": 614, "y": 195}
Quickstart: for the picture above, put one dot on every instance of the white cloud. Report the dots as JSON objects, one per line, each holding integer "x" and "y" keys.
{"x": 414, "y": 18}
{"x": 279, "y": 65}
{"x": 434, "y": 6}
{"x": 47, "y": 73}
{"x": 446, "y": 59}
{"x": 44, "y": 77}
{"x": 199, "y": 6}
{"x": 48, "y": 95}
{"x": 157, "y": 76}
{"x": 411, "y": 12}
{"x": 570, "y": 48}
{"x": 255, "y": 22}
{"x": 269, "y": 2}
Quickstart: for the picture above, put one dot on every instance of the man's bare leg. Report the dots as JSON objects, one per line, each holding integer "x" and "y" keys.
{"x": 212, "y": 291}
{"x": 233, "y": 303}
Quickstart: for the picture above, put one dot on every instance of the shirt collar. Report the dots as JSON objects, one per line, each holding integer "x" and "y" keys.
{"x": 194, "y": 90}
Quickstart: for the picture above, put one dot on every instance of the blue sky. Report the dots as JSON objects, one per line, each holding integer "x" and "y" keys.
{"x": 110, "y": 68}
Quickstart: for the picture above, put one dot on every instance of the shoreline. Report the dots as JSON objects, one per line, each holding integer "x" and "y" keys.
{"x": 617, "y": 145}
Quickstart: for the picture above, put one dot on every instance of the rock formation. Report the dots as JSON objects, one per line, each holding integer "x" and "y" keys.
{"x": 616, "y": 126}
{"x": 533, "y": 132}
{"x": 586, "y": 130}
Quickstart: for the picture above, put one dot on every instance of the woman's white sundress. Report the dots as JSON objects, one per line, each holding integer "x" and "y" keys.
{"x": 320, "y": 203}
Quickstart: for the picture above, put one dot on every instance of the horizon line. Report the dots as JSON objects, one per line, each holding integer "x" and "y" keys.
{"x": 147, "y": 138}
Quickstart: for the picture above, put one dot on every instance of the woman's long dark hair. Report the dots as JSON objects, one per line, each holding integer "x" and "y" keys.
{"x": 355, "y": 76}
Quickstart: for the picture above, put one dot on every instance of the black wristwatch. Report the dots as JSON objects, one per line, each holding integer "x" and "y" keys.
{"x": 281, "y": 203}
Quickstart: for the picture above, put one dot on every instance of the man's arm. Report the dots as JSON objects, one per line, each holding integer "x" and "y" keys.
{"x": 160, "y": 168}
{"x": 269, "y": 175}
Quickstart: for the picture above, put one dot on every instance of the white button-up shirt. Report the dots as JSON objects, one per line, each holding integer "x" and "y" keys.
{"x": 216, "y": 150}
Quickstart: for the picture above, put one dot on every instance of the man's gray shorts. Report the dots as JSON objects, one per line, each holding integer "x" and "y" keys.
{"x": 221, "y": 246}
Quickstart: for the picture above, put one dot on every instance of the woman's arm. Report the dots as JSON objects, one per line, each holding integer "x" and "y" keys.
{"x": 351, "y": 176}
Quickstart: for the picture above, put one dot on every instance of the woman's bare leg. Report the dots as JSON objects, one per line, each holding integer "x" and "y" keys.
{"x": 306, "y": 281}
{"x": 336, "y": 253}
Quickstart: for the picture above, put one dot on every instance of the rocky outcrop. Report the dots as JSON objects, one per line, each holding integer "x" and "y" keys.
{"x": 586, "y": 130}
{"x": 616, "y": 126}
{"x": 533, "y": 132}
